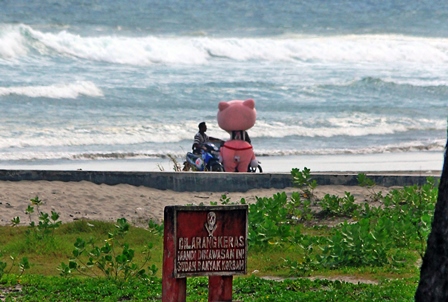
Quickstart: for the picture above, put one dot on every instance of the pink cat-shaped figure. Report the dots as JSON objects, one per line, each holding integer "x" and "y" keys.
{"x": 236, "y": 117}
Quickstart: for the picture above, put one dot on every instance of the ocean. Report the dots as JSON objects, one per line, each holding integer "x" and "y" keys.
{"x": 127, "y": 82}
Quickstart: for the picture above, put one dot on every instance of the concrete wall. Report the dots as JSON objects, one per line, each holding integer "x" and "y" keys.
{"x": 209, "y": 181}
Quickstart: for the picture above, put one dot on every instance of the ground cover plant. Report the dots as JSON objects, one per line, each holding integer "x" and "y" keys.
{"x": 296, "y": 250}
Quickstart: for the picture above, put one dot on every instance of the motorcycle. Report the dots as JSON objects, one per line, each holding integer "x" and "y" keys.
{"x": 208, "y": 160}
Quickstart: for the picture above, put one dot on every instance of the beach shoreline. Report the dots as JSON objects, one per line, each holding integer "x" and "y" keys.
{"x": 76, "y": 200}
{"x": 405, "y": 161}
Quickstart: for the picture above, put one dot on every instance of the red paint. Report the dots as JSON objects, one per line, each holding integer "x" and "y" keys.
{"x": 220, "y": 288}
{"x": 203, "y": 241}
{"x": 173, "y": 289}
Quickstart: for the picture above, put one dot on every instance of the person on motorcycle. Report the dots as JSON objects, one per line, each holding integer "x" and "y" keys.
{"x": 201, "y": 138}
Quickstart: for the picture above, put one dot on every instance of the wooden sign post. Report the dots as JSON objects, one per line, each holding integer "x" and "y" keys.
{"x": 203, "y": 241}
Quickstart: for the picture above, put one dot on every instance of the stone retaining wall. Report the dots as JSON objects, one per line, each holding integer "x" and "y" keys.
{"x": 209, "y": 181}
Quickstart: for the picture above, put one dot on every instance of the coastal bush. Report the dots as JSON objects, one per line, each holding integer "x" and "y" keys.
{"x": 40, "y": 235}
{"x": 370, "y": 185}
{"x": 409, "y": 214}
{"x": 22, "y": 265}
{"x": 155, "y": 228}
{"x": 335, "y": 206}
{"x": 271, "y": 220}
{"x": 108, "y": 259}
{"x": 305, "y": 261}
{"x": 361, "y": 244}
{"x": 303, "y": 180}
{"x": 376, "y": 236}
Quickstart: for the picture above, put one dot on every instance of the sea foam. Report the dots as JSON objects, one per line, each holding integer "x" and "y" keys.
{"x": 56, "y": 91}
{"x": 149, "y": 49}
{"x": 12, "y": 42}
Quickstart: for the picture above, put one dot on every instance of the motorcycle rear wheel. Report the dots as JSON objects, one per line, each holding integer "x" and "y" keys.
{"x": 217, "y": 168}
{"x": 255, "y": 169}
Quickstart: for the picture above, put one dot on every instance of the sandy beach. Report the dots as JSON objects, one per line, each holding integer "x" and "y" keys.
{"x": 86, "y": 200}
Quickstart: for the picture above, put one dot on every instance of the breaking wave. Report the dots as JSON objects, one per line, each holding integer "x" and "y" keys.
{"x": 19, "y": 40}
{"x": 56, "y": 91}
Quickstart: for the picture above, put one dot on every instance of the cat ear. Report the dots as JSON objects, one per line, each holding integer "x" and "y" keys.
{"x": 249, "y": 103}
{"x": 223, "y": 105}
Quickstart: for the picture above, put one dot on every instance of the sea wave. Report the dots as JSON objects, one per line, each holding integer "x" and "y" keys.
{"x": 436, "y": 146}
{"x": 440, "y": 85}
{"x": 147, "y": 134}
{"x": 30, "y": 156}
{"x": 18, "y": 40}
{"x": 55, "y": 91}
{"x": 12, "y": 42}
{"x": 353, "y": 125}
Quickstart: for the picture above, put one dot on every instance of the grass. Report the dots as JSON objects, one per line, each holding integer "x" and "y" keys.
{"x": 378, "y": 249}
{"x": 47, "y": 253}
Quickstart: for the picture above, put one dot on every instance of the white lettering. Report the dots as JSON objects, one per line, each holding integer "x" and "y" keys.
{"x": 186, "y": 266}
{"x": 240, "y": 253}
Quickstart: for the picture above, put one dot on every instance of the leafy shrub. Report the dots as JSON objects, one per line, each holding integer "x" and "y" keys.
{"x": 404, "y": 220}
{"x": 360, "y": 244}
{"x": 368, "y": 183}
{"x": 268, "y": 223}
{"x": 302, "y": 180}
{"x": 40, "y": 235}
{"x": 108, "y": 260}
{"x": 306, "y": 262}
{"x": 409, "y": 211}
{"x": 378, "y": 236}
{"x": 155, "y": 228}
{"x": 22, "y": 265}
{"x": 301, "y": 207}
{"x": 333, "y": 205}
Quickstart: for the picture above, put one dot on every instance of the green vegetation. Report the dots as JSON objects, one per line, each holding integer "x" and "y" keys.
{"x": 118, "y": 266}
{"x": 314, "y": 246}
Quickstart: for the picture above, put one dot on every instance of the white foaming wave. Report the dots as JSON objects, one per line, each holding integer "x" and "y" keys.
{"x": 32, "y": 156}
{"x": 12, "y": 42}
{"x": 201, "y": 50}
{"x": 331, "y": 49}
{"x": 356, "y": 126}
{"x": 124, "y": 50}
{"x": 56, "y": 91}
{"x": 125, "y": 134}
{"x": 38, "y": 156}
{"x": 415, "y": 146}
{"x": 94, "y": 134}
{"x": 374, "y": 48}
{"x": 418, "y": 82}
